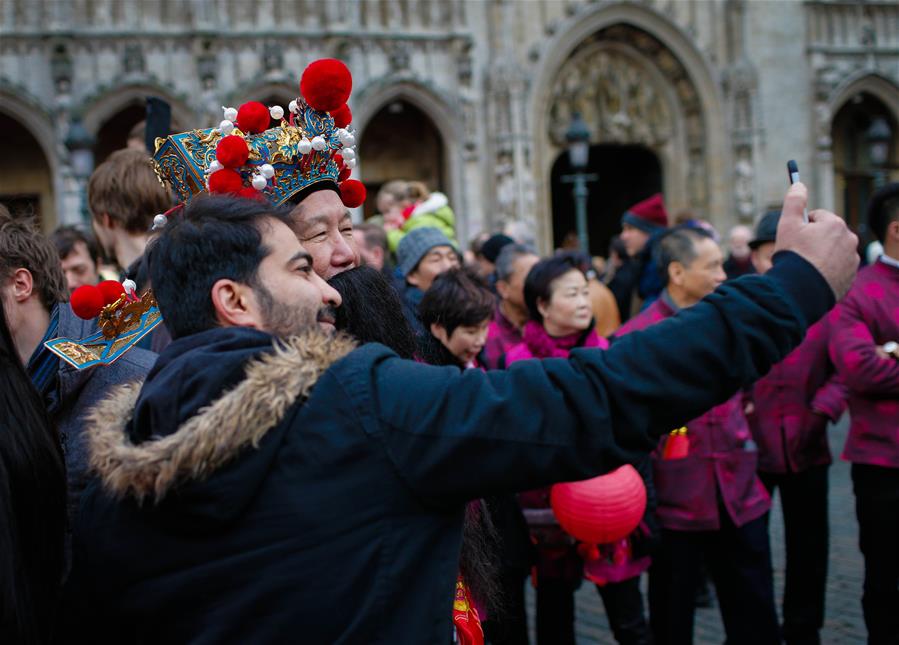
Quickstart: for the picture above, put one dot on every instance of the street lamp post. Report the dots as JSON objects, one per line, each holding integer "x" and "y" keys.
{"x": 578, "y": 138}
{"x": 80, "y": 144}
{"x": 878, "y": 137}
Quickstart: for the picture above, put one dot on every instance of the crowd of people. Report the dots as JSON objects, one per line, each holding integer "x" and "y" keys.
{"x": 246, "y": 474}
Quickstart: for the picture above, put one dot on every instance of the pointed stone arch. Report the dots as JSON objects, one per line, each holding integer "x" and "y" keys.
{"x": 437, "y": 107}
{"x": 103, "y": 106}
{"x": 25, "y": 111}
{"x": 646, "y": 84}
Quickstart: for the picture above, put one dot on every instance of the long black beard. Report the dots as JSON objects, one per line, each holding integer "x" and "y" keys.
{"x": 479, "y": 558}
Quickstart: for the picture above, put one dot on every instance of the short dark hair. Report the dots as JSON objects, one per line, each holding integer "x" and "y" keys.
{"x": 883, "y": 209}
{"x": 23, "y": 246}
{"x": 374, "y": 234}
{"x": 456, "y": 298}
{"x": 677, "y": 245}
{"x": 538, "y": 284}
{"x": 66, "y": 237}
{"x": 213, "y": 238}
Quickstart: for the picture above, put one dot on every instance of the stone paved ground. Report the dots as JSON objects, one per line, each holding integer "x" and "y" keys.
{"x": 843, "y": 622}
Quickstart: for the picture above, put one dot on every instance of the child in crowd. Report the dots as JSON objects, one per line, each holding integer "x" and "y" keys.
{"x": 456, "y": 311}
{"x": 421, "y": 208}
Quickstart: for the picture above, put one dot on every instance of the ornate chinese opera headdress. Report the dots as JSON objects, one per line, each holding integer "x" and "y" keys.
{"x": 123, "y": 317}
{"x": 309, "y": 149}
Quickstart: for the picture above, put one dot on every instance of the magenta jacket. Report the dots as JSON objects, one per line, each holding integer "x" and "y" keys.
{"x": 721, "y": 461}
{"x": 793, "y": 404}
{"x": 502, "y": 336}
{"x": 867, "y": 317}
{"x": 610, "y": 562}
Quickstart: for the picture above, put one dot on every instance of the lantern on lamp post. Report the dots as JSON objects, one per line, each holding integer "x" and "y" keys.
{"x": 578, "y": 139}
{"x": 80, "y": 145}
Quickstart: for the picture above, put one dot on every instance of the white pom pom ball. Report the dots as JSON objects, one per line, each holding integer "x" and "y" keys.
{"x": 304, "y": 146}
{"x": 349, "y": 163}
{"x": 293, "y": 107}
{"x": 159, "y": 221}
{"x": 346, "y": 138}
{"x": 277, "y": 112}
{"x": 348, "y": 154}
{"x": 259, "y": 182}
{"x": 227, "y": 127}
{"x": 215, "y": 166}
{"x": 230, "y": 113}
{"x": 130, "y": 286}
{"x": 267, "y": 170}
{"x": 318, "y": 143}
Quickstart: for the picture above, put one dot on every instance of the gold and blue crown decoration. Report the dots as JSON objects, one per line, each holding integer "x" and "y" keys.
{"x": 243, "y": 156}
{"x": 123, "y": 318}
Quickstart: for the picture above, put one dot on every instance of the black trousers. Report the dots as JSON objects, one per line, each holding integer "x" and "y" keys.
{"x": 803, "y": 497}
{"x": 508, "y": 625}
{"x": 739, "y": 561}
{"x": 877, "y": 507}
{"x": 624, "y": 608}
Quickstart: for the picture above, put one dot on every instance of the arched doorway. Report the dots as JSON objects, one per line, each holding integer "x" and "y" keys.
{"x": 858, "y": 126}
{"x": 113, "y": 134}
{"x": 625, "y": 174}
{"x": 401, "y": 142}
{"x": 26, "y": 186}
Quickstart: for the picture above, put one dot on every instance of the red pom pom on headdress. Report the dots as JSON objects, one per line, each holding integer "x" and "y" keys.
{"x": 326, "y": 84}
{"x": 225, "y": 182}
{"x": 352, "y": 193}
{"x": 112, "y": 290}
{"x": 342, "y": 116}
{"x": 253, "y": 117}
{"x": 232, "y": 151}
{"x": 87, "y": 301}
{"x": 250, "y": 193}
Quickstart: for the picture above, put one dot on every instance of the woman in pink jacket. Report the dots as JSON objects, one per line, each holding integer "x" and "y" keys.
{"x": 557, "y": 295}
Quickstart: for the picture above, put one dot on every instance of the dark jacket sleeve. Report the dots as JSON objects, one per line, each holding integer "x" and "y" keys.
{"x": 459, "y": 435}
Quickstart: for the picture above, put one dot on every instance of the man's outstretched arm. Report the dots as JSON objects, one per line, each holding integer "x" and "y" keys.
{"x": 458, "y": 435}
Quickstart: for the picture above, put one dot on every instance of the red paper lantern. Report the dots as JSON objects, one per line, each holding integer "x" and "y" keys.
{"x": 601, "y": 510}
{"x": 232, "y": 151}
{"x": 326, "y": 84}
{"x": 112, "y": 290}
{"x": 342, "y": 116}
{"x": 352, "y": 193}
{"x": 253, "y": 118}
{"x": 225, "y": 182}
{"x": 87, "y": 301}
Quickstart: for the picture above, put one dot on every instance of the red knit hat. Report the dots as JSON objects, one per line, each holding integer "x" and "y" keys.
{"x": 649, "y": 215}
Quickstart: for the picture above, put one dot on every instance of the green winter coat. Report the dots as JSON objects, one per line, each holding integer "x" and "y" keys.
{"x": 434, "y": 211}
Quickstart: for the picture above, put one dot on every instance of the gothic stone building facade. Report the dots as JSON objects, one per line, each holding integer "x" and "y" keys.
{"x": 704, "y": 100}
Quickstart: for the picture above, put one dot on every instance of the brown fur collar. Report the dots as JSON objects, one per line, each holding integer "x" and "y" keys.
{"x": 218, "y": 432}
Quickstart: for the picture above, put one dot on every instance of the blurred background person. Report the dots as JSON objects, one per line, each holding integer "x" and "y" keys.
{"x": 78, "y": 255}
{"x": 790, "y": 409}
{"x": 390, "y": 202}
{"x": 738, "y": 261}
{"x": 602, "y": 300}
{"x": 511, "y": 313}
{"x": 489, "y": 251}
{"x": 422, "y": 255}
{"x": 711, "y": 502}
{"x": 560, "y": 319}
{"x": 124, "y": 195}
{"x": 423, "y": 208}
{"x": 32, "y": 505}
{"x": 863, "y": 346}
{"x": 371, "y": 240}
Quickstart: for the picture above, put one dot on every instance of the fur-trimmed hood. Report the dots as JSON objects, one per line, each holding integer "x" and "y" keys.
{"x": 210, "y": 417}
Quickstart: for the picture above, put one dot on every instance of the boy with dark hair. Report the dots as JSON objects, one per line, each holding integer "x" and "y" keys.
{"x": 78, "y": 255}
{"x": 864, "y": 346}
{"x": 456, "y": 311}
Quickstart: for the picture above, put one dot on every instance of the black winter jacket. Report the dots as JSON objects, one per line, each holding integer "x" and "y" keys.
{"x": 315, "y": 493}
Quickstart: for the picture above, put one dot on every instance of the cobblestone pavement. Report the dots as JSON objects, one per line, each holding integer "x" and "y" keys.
{"x": 843, "y": 620}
